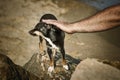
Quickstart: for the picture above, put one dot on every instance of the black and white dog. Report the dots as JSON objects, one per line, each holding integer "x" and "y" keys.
{"x": 54, "y": 40}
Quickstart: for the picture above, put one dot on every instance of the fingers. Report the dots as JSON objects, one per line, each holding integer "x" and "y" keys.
{"x": 54, "y": 22}
{"x": 48, "y": 21}
{"x": 62, "y": 25}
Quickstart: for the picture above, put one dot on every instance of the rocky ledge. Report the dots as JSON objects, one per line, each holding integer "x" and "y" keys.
{"x": 88, "y": 69}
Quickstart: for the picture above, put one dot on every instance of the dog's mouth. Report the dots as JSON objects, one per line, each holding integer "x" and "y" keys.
{"x": 33, "y": 32}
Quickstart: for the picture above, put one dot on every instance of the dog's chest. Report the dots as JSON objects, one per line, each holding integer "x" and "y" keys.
{"x": 54, "y": 35}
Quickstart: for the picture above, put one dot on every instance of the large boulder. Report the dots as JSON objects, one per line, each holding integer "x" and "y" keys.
{"x": 91, "y": 69}
{"x": 11, "y": 71}
{"x": 34, "y": 66}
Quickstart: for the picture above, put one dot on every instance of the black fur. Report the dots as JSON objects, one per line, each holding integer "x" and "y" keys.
{"x": 55, "y": 34}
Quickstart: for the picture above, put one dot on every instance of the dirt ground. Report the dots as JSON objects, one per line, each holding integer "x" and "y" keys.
{"x": 17, "y": 17}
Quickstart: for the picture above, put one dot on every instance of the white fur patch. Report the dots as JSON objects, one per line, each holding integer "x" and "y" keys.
{"x": 51, "y": 69}
{"x": 37, "y": 33}
{"x": 66, "y": 67}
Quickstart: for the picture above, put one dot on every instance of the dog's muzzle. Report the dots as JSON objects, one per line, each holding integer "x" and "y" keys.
{"x": 32, "y": 32}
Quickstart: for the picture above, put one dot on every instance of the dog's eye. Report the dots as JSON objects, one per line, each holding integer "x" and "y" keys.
{"x": 41, "y": 29}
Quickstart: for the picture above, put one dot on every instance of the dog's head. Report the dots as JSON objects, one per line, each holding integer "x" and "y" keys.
{"x": 42, "y": 28}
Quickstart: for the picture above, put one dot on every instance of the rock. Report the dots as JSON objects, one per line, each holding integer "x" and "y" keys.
{"x": 112, "y": 63}
{"x": 34, "y": 66}
{"x": 88, "y": 69}
{"x": 11, "y": 71}
{"x": 91, "y": 69}
{"x": 34, "y": 70}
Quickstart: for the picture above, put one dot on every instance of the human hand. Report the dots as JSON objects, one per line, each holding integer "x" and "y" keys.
{"x": 65, "y": 26}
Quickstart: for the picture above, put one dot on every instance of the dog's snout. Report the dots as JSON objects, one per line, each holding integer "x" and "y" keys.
{"x": 31, "y": 32}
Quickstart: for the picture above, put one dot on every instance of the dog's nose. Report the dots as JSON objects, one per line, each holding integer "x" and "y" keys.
{"x": 30, "y": 32}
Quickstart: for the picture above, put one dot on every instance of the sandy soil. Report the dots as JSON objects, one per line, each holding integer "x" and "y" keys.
{"x": 17, "y": 17}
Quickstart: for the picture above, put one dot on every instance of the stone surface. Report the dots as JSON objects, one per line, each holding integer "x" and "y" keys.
{"x": 11, "y": 71}
{"x": 91, "y": 69}
{"x": 34, "y": 66}
{"x": 88, "y": 69}
{"x": 34, "y": 71}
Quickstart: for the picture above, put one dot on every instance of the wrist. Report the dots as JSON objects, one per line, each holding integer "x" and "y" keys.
{"x": 78, "y": 27}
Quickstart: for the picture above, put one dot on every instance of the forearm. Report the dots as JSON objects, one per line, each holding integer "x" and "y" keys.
{"x": 103, "y": 20}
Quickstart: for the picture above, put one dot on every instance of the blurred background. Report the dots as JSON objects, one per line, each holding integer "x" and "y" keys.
{"x": 17, "y": 17}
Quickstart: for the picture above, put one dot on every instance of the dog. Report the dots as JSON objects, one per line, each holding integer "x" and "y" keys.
{"x": 54, "y": 38}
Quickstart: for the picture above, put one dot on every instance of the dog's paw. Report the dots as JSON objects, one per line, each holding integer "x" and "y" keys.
{"x": 66, "y": 67}
{"x": 51, "y": 69}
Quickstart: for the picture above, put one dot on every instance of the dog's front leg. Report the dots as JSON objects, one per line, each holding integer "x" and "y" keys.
{"x": 42, "y": 52}
{"x": 40, "y": 48}
{"x": 41, "y": 45}
{"x": 64, "y": 63}
{"x": 52, "y": 62}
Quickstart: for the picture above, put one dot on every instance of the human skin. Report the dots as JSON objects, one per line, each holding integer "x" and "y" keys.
{"x": 102, "y": 20}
